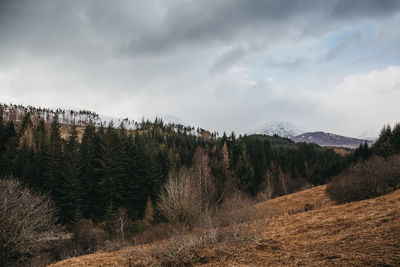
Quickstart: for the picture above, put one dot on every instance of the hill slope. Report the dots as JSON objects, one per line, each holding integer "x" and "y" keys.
{"x": 329, "y": 139}
{"x": 364, "y": 233}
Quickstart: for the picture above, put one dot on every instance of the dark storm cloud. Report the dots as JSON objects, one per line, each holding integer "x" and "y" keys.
{"x": 193, "y": 23}
{"x": 152, "y": 27}
{"x": 365, "y": 8}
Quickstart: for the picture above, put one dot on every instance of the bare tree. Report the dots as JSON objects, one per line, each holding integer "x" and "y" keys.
{"x": 180, "y": 199}
{"x": 200, "y": 173}
{"x": 26, "y": 219}
{"x": 283, "y": 180}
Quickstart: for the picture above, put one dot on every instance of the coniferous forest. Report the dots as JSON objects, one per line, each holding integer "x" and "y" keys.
{"x": 91, "y": 170}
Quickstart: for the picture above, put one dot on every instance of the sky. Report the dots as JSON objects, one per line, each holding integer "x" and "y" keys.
{"x": 223, "y": 65}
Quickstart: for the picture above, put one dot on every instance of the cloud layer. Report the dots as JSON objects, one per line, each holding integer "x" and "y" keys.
{"x": 221, "y": 65}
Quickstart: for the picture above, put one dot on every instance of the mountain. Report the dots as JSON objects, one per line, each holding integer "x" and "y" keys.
{"x": 330, "y": 139}
{"x": 280, "y": 128}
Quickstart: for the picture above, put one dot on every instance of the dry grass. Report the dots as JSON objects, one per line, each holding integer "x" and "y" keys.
{"x": 364, "y": 233}
{"x": 310, "y": 199}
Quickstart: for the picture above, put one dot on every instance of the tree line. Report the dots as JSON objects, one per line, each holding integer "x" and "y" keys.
{"x": 91, "y": 171}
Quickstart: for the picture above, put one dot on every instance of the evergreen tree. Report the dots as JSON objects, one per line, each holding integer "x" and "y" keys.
{"x": 384, "y": 145}
{"x": 9, "y": 148}
{"x": 91, "y": 201}
{"x": 71, "y": 195}
{"x": 396, "y": 138}
{"x": 54, "y": 161}
{"x": 110, "y": 168}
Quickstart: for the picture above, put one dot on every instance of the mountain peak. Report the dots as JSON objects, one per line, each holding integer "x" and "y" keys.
{"x": 280, "y": 128}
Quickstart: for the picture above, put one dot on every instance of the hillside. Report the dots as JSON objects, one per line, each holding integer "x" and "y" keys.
{"x": 364, "y": 233}
{"x": 329, "y": 139}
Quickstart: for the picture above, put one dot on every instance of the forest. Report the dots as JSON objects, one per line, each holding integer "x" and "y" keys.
{"x": 91, "y": 171}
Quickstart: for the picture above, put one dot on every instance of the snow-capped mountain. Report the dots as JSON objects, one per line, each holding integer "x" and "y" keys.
{"x": 330, "y": 139}
{"x": 280, "y": 128}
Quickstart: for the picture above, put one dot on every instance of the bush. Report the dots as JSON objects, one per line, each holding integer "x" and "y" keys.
{"x": 26, "y": 220}
{"x": 234, "y": 221}
{"x": 366, "y": 179}
{"x": 154, "y": 233}
{"x": 89, "y": 237}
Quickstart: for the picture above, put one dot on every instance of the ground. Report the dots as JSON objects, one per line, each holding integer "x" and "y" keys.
{"x": 304, "y": 229}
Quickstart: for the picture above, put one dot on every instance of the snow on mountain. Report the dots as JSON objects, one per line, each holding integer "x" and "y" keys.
{"x": 330, "y": 139}
{"x": 280, "y": 128}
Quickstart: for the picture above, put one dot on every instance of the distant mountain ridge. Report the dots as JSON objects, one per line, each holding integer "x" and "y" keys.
{"x": 330, "y": 139}
{"x": 293, "y": 132}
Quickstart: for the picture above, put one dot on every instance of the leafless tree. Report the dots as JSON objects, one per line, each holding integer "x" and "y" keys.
{"x": 200, "y": 173}
{"x": 26, "y": 220}
{"x": 180, "y": 199}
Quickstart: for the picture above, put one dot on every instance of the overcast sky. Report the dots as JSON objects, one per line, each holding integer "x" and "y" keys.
{"x": 218, "y": 64}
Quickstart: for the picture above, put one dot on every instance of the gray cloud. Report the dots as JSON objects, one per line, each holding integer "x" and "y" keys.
{"x": 146, "y": 57}
{"x": 365, "y": 8}
{"x": 228, "y": 58}
{"x": 290, "y": 64}
{"x": 352, "y": 40}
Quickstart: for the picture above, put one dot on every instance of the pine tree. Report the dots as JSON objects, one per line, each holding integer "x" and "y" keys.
{"x": 384, "y": 145}
{"x": 9, "y": 148}
{"x": 53, "y": 157}
{"x": 89, "y": 183}
{"x": 37, "y": 177}
{"x": 110, "y": 168}
{"x": 70, "y": 196}
{"x": 396, "y": 138}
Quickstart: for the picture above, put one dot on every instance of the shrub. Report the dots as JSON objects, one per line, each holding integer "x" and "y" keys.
{"x": 367, "y": 179}
{"x": 154, "y": 233}
{"x": 26, "y": 220}
{"x": 89, "y": 237}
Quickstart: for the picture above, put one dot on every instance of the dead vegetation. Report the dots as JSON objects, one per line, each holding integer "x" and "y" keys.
{"x": 364, "y": 233}
{"x": 27, "y": 222}
{"x": 367, "y": 179}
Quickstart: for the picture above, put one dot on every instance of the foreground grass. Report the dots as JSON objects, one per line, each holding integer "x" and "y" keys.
{"x": 304, "y": 229}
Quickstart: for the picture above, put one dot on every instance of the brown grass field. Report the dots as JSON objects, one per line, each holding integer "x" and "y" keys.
{"x": 304, "y": 229}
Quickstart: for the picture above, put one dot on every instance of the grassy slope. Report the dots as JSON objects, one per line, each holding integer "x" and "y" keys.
{"x": 365, "y": 233}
